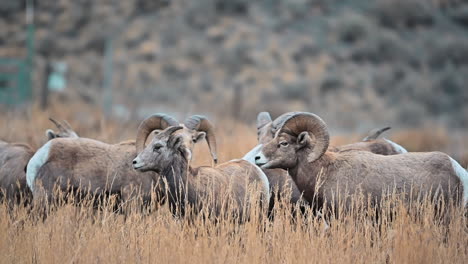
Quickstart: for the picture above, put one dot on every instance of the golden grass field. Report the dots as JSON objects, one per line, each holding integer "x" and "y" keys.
{"x": 80, "y": 234}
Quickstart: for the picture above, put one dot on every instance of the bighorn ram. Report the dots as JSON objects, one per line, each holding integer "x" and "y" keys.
{"x": 281, "y": 181}
{"x": 13, "y": 160}
{"x": 324, "y": 175}
{"x": 99, "y": 168}
{"x": 202, "y": 187}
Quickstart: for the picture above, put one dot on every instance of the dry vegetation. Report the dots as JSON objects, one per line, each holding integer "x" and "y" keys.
{"x": 399, "y": 61}
{"x": 81, "y": 234}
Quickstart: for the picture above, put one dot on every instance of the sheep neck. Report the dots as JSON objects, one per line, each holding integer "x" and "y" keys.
{"x": 309, "y": 175}
{"x": 176, "y": 176}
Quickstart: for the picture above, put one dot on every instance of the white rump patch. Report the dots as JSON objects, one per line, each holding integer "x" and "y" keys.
{"x": 36, "y": 162}
{"x": 397, "y": 147}
{"x": 463, "y": 175}
{"x": 250, "y": 156}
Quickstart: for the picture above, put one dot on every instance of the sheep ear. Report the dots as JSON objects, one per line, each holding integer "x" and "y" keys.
{"x": 263, "y": 118}
{"x": 303, "y": 139}
{"x": 199, "y": 136}
{"x": 50, "y": 134}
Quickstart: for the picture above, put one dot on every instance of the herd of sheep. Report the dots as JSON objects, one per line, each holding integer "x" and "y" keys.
{"x": 293, "y": 156}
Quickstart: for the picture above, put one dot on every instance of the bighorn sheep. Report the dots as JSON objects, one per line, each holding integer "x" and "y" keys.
{"x": 213, "y": 188}
{"x": 98, "y": 168}
{"x": 13, "y": 160}
{"x": 281, "y": 181}
{"x": 324, "y": 175}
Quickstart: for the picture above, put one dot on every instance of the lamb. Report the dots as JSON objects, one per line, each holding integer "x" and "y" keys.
{"x": 14, "y": 158}
{"x": 100, "y": 169}
{"x": 202, "y": 187}
{"x": 321, "y": 174}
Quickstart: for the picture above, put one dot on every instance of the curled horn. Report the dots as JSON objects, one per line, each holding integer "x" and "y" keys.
{"x": 263, "y": 118}
{"x": 278, "y": 122}
{"x": 375, "y": 133}
{"x": 299, "y": 122}
{"x": 65, "y": 130}
{"x": 156, "y": 121}
{"x": 57, "y": 124}
{"x": 201, "y": 123}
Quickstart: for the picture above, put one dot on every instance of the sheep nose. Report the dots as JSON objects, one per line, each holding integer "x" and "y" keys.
{"x": 257, "y": 158}
{"x": 134, "y": 162}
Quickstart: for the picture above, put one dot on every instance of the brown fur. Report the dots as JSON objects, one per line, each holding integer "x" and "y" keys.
{"x": 214, "y": 188}
{"x": 14, "y": 158}
{"x": 335, "y": 174}
{"x": 280, "y": 179}
{"x": 95, "y": 167}
{"x": 99, "y": 168}
{"x": 377, "y": 146}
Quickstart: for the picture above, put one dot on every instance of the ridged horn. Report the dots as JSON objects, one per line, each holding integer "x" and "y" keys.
{"x": 65, "y": 130}
{"x": 300, "y": 122}
{"x": 201, "y": 123}
{"x": 57, "y": 124}
{"x": 278, "y": 122}
{"x": 153, "y": 122}
{"x": 375, "y": 133}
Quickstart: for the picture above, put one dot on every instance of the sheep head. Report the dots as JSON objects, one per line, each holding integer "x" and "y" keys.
{"x": 162, "y": 150}
{"x": 64, "y": 130}
{"x": 154, "y": 122}
{"x": 194, "y": 129}
{"x": 295, "y": 134}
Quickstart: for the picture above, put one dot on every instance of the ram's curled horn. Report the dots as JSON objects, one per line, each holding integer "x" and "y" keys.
{"x": 64, "y": 130}
{"x": 201, "y": 123}
{"x": 278, "y": 122}
{"x": 156, "y": 121}
{"x": 375, "y": 133}
{"x": 300, "y": 122}
{"x": 263, "y": 118}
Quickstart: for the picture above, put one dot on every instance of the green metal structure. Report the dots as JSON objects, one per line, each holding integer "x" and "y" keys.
{"x": 16, "y": 73}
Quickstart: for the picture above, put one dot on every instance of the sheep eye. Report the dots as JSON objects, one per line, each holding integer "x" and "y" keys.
{"x": 284, "y": 143}
{"x": 157, "y": 148}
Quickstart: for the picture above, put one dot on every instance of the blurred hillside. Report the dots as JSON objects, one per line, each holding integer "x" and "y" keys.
{"x": 358, "y": 64}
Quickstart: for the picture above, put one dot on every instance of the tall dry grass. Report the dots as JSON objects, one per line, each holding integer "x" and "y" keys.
{"x": 82, "y": 234}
